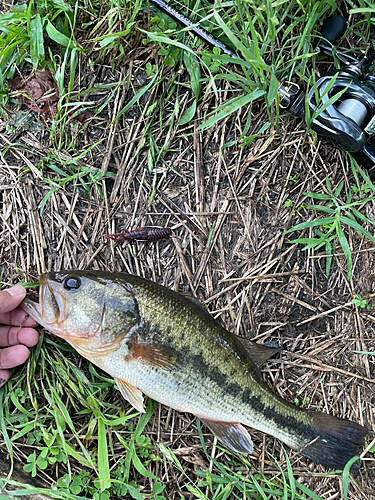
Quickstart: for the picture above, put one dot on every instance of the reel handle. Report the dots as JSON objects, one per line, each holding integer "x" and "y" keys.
{"x": 333, "y": 27}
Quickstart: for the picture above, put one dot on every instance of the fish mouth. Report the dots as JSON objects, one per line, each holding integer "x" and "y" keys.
{"x": 31, "y": 307}
{"x": 50, "y": 310}
{"x": 53, "y": 303}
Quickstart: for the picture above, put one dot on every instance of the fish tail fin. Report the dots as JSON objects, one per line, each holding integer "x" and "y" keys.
{"x": 334, "y": 441}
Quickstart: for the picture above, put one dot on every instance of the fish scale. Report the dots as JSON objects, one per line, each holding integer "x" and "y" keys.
{"x": 155, "y": 341}
{"x": 211, "y": 359}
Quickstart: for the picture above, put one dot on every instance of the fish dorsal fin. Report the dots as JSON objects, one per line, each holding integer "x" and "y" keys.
{"x": 194, "y": 300}
{"x": 233, "y": 435}
{"x": 259, "y": 353}
{"x": 131, "y": 394}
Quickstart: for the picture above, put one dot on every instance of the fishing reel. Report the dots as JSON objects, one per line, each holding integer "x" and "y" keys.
{"x": 342, "y": 103}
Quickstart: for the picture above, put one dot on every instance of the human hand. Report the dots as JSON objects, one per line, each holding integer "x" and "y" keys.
{"x": 14, "y": 341}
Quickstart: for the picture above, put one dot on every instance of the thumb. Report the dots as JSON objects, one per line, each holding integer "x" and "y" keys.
{"x": 11, "y": 298}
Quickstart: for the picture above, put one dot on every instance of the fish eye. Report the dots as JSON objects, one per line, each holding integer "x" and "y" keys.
{"x": 72, "y": 283}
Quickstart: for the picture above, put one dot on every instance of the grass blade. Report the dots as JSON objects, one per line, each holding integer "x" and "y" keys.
{"x": 230, "y": 107}
{"x": 103, "y": 464}
{"x": 36, "y": 41}
{"x": 357, "y": 227}
{"x": 311, "y": 223}
{"x": 345, "y": 247}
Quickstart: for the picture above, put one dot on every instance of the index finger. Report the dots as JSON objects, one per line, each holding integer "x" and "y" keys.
{"x": 16, "y": 318}
{"x": 11, "y": 298}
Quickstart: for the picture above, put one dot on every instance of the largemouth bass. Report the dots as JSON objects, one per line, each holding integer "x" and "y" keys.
{"x": 157, "y": 342}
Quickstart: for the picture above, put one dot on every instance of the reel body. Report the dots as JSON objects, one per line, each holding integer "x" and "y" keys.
{"x": 349, "y": 121}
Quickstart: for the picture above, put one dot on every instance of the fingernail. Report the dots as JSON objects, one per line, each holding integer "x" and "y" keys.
{"x": 16, "y": 291}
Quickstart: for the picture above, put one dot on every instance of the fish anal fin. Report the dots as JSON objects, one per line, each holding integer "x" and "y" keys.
{"x": 153, "y": 355}
{"x": 131, "y": 394}
{"x": 232, "y": 434}
{"x": 259, "y": 353}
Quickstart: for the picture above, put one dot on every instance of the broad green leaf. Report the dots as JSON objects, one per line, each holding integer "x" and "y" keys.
{"x": 318, "y": 196}
{"x": 305, "y": 489}
{"x": 345, "y": 476}
{"x": 134, "y": 492}
{"x": 362, "y": 10}
{"x": 192, "y": 65}
{"x": 166, "y": 40}
{"x": 140, "y": 467}
{"x": 321, "y": 208}
{"x": 230, "y": 107}
{"x": 273, "y": 89}
{"x": 330, "y": 101}
{"x": 103, "y": 464}
{"x": 136, "y": 97}
{"x": 362, "y": 217}
{"x": 366, "y": 179}
{"x": 328, "y": 184}
{"x": 357, "y": 227}
{"x": 339, "y": 189}
{"x": 46, "y": 197}
{"x": 235, "y": 41}
{"x": 60, "y": 4}
{"x": 304, "y": 241}
{"x": 3, "y": 427}
{"x": 345, "y": 248}
{"x": 30, "y": 426}
{"x": 188, "y": 114}
{"x": 57, "y": 36}
{"x": 36, "y": 41}
{"x": 328, "y": 259}
{"x": 69, "y": 450}
{"x": 311, "y": 223}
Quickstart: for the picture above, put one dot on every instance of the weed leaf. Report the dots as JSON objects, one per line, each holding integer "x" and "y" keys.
{"x": 321, "y": 208}
{"x": 36, "y": 41}
{"x": 103, "y": 464}
{"x": 57, "y": 36}
{"x": 311, "y": 223}
{"x": 230, "y": 107}
{"x": 357, "y": 227}
{"x": 188, "y": 114}
{"x": 345, "y": 248}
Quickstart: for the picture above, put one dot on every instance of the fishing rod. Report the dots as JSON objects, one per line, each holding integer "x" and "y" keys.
{"x": 347, "y": 122}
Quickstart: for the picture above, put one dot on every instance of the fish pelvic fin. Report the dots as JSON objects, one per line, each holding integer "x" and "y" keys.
{"x": 233, "y": 435}
{"x": 131, "y": 394}
{"x": 334, "y": 441}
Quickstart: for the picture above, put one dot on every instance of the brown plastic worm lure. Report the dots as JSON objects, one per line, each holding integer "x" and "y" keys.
{"x": 148, "y": 233}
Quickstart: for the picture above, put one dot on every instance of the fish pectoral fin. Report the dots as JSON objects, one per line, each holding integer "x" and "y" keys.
{"x": 233, "y": 435}
{"x": 259, "y": 353}
{"x": 131, "y": 394}
{"x": 161, "y": 357}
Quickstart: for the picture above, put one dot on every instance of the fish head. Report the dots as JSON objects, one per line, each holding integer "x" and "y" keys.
{"x": 92, "y": 311}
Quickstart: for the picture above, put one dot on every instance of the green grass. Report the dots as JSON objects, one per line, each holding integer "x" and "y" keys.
{"x": 236, "y": 479}
{"x": 63, "y": 417}
{"x": 48, "y": 401}
{"x": 341, "y": 213}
